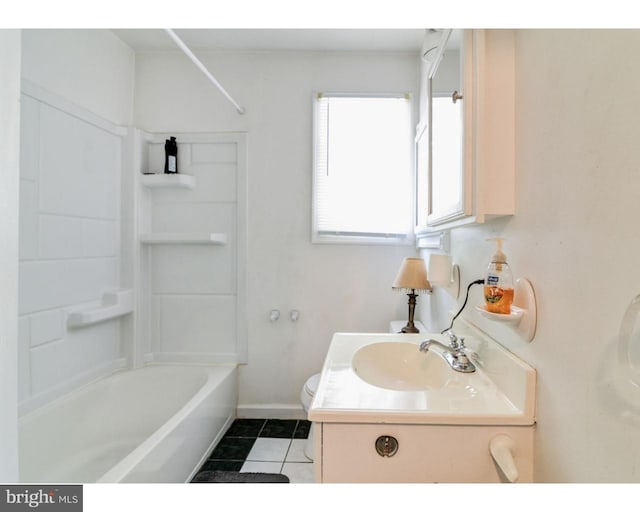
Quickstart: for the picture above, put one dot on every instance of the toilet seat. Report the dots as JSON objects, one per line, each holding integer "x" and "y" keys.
{"x": 309, "y": 390}
{"x": 306, "y": 396}
{"x": 311, "y": 386}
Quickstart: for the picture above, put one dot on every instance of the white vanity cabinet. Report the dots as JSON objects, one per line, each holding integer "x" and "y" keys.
{"x": 465, "y": 148}
{"x": 425, "y": 453}
{"x": 384, "y": 412}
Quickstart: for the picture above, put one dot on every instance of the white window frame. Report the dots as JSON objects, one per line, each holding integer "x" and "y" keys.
{"x": 407, "y": 238}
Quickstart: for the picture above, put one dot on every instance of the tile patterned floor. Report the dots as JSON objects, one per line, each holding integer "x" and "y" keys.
{"x": 264, "y": 446}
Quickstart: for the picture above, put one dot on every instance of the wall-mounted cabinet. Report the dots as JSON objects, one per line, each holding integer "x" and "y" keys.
{"x": 465, "y": 137}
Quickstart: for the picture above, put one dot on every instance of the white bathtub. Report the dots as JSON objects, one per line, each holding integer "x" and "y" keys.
{"x": 156, "y": 424}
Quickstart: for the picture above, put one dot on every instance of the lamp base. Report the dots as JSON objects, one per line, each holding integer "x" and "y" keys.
{"x": 410, "y": 328}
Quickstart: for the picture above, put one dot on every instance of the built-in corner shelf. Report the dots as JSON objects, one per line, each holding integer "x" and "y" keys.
{"x": 114, "y": 304}
{"x": 523, "y": 316}
{"x": 176, "y": 180}
{"x": 184, "y": 238}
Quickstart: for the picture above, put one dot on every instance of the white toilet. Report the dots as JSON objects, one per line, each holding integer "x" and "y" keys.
{"x": 306, "y": 396}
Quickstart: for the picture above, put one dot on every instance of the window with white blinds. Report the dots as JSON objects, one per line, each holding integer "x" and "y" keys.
{"x": 363, "y": 167}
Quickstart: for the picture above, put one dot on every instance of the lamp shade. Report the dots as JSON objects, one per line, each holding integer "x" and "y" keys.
{"x": 412, "y": 276}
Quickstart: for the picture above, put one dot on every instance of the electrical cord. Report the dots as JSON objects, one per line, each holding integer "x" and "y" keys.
{"x": 477, "y": 281}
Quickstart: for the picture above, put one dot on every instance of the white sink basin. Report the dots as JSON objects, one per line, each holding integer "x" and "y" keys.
{"x": 384, "y": 378}
{"x": 400, "y": 366}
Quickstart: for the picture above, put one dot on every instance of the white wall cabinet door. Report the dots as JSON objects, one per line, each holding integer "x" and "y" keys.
{"x": 465, "y": 138}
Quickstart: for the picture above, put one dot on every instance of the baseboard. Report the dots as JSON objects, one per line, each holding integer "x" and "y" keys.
{"x": 275, "y": 411}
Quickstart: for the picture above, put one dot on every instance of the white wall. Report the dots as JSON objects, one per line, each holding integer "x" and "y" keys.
{"x": 575, "y": 237}
{"x": 91, "y": 68}
{"x": 70, "y": 166}
{"x": 9, "y": 179}
{"x": 69, "y": 244}
{"x": 335, "y": 288}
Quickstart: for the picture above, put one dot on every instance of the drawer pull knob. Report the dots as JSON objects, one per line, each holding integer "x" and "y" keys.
{"x": 386, "y": 446}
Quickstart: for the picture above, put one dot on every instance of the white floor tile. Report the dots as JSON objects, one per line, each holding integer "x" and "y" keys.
{"x": 296, "y": 451}
{"x": 269, "y": 449}
{"x": 261, "y": 467}
{"x": 298, "y": 472}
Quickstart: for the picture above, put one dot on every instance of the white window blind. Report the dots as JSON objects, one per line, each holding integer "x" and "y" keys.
{"x": 362, "y": 168}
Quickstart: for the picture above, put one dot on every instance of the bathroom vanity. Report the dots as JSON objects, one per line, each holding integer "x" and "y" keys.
{"x": 387, "y": 412}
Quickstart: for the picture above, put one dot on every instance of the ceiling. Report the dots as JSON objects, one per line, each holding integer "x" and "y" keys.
{"x": 276, "y": 39}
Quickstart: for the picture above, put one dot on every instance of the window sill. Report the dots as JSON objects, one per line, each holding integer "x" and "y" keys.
{"x": 319, "y": 238}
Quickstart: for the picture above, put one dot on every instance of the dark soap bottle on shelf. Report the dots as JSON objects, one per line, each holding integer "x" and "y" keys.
{"x": 171, "y": 156}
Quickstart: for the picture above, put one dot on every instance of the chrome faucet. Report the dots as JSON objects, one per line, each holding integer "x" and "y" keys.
{"x": 454, "y": 354}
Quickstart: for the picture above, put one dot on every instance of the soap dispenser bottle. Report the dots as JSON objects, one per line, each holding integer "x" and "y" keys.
{"x": 498, "y": 283}
{"x": 171, "y": 156}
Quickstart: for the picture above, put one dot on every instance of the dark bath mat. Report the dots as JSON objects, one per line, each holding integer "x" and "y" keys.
{"x": 233, "y": 477}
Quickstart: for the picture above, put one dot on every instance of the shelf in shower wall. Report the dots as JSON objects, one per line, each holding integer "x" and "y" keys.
{"x": 162, "y": 180}
{"x": 114, "y": 305}
{"x": 184, "y": 238}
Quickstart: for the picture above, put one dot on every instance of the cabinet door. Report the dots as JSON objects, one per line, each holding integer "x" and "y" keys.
{"x": 425, "y": 453}
{"x": 448, "y": 161}
{"x": 465, "y": 140}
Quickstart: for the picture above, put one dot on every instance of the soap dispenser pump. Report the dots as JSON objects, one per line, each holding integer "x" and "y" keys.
{"x": 498, "y": 284}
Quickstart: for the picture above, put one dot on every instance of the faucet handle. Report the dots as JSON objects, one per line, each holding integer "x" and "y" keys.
{"x": 453, "y": 339}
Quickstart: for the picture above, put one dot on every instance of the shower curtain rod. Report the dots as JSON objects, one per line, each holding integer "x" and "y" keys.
{"x": 202, "y": 68}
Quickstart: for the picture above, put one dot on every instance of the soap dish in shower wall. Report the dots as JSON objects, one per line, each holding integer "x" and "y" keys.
{"x": 523, "y": 316}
